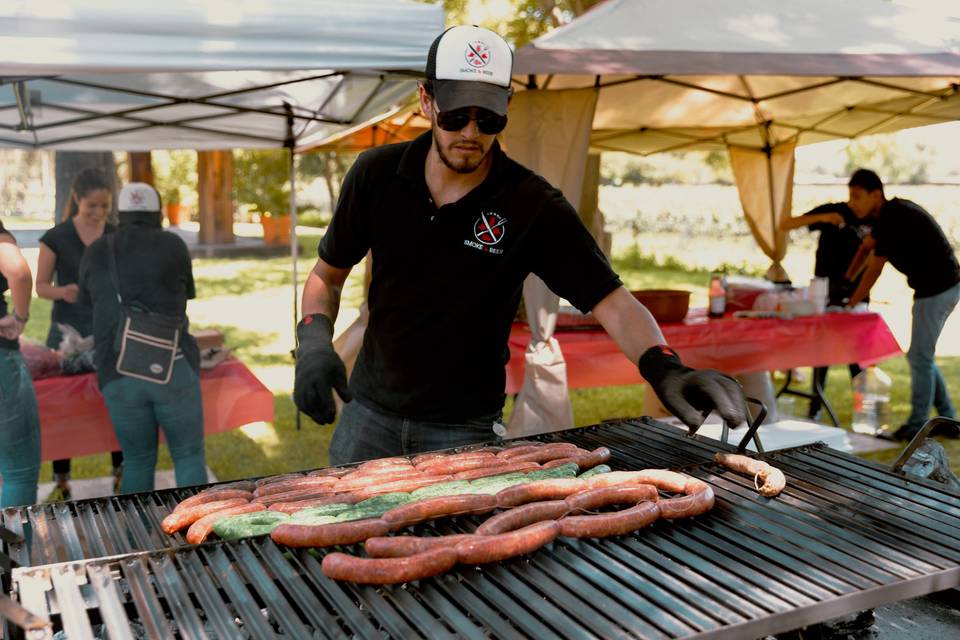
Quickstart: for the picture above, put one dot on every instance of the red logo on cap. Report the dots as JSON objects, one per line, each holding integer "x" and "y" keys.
{"x": 477, "y": 54}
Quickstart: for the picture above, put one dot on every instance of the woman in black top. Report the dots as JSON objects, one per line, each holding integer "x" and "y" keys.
{"x": 19, "y": 420}
{"x": 58, "y": 266}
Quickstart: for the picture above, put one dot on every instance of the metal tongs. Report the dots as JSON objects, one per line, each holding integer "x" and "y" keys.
{"x": 753, "y": 425}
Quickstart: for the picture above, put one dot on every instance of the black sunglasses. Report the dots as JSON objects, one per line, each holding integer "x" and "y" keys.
{"x": 488, "y": 122}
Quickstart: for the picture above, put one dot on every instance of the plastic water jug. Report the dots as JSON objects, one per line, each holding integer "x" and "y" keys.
{"x": 871, "y": 401}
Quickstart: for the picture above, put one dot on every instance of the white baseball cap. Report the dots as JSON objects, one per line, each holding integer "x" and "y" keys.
{"x": 138, "y": 196}
{"x": 470, "y": 67}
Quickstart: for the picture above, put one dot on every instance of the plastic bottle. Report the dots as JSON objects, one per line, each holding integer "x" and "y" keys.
{"x": 717, "y": 292}
{"x": 871, "y": 401}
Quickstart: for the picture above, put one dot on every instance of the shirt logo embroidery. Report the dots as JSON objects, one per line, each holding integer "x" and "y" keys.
{"x": 477, "y": 54}
{"x": 488, "y": 230}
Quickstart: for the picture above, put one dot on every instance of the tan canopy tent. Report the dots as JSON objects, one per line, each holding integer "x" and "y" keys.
{"x": 755, "y": 77}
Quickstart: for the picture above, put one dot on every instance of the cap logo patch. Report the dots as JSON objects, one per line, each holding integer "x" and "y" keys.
{"x": 477, "y": 54}
{"x": 136, "y": 197}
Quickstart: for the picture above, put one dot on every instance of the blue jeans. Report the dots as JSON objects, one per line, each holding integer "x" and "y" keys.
{"x": 927, "y": 387}
{"x": 19, "y": 432}
{"x": 365, "y": 434}
{"x": 138, "y": 408}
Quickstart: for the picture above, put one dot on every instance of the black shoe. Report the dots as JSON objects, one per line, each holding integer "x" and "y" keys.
{"x": 906, "y": 433}
{"x": 946, "y": 430}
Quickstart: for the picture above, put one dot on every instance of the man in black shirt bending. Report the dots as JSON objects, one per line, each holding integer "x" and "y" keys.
{"x": 455, "y": 226}
{"x": 904, "y": 234}
{"x": 841, "y": 234}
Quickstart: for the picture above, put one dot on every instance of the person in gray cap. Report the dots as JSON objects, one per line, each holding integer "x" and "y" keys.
{"x": 455, "y": 227}
{"x": 156, "y": 276}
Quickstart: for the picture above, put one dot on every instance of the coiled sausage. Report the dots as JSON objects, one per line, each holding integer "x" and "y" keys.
{"x": 523, "y": 516}
{"x": 484, "y": 549}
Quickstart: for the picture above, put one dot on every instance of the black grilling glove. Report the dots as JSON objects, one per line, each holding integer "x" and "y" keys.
{"x": 319, "y": 370}
{"x": 691, "y": 394}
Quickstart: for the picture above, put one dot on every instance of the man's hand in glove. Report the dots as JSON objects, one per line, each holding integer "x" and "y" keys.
{"x": 690, "y": 394}
{"x": 319, "y": 370}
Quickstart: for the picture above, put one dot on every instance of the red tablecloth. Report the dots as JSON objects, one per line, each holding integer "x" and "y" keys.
{"x": 729, "y": 344}
{"x": 74, "y": 421}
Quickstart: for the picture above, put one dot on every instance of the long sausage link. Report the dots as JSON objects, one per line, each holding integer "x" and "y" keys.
{"x": 523, "y": 516}
{"x": 213, "y": 496}
{"x": 328, "y": 535}
{"x": 203, "y": 527}
{"x": 401, "y": 546}
{"x": 769, "y": 480}
{"x": 610, "y": 524}
{"x": 552, "y": 489}
{"x": 497, "y": 470}
{"x": 486, "y": 549}
{"x": 343, "y": 566}
{"x": 441, "y": 506}
{"x": 585, "y": 460}
{"x": 183, "y": 518}
{"x": 688, "y": 506}
{"x": 593, "y": 499}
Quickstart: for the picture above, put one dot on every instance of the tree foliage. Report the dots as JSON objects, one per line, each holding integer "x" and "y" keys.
{"x": 894, "y": 162}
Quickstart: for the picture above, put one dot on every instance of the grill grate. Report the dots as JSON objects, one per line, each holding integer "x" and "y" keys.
{"x": 845, "y": 535}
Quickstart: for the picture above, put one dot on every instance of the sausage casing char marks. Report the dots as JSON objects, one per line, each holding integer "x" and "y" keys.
{"x": 343, "y": 566}
{"x": 769, "y": 480}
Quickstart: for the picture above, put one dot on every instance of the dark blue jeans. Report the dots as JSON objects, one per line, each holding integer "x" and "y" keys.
{"x": 19, "y": 432}
{"x": 138, "y": 409}
{"x": 927, "y": 386}
{"x": 365, "y": 434}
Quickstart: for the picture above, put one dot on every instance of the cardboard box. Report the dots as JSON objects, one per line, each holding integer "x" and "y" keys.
{"x": 208, "y": 339}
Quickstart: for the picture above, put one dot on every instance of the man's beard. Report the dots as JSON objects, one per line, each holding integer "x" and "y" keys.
{"x": 465, "y": 166}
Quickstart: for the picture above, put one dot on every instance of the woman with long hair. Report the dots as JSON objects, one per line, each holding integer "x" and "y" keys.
{"x": 58, "y": 265}
{"x": 19, "y": 419}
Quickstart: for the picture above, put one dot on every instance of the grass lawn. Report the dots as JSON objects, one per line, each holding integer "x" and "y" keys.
{"x": 237, "y": 296}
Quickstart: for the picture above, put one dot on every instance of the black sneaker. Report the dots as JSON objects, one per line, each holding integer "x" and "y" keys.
{"x": 946, "y": 430}
{"x": 906, "y": 433}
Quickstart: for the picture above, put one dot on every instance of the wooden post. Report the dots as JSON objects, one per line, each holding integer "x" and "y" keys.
{"x": 141, "y": 167}
{"x": 590, "y": 202}
{"x": 215, "y": 192}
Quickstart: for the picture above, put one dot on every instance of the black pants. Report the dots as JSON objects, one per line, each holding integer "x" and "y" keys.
{"x": 62, "y": 467}
{"x": 820, "y": 375}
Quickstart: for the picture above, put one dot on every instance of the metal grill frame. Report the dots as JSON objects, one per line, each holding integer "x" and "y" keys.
{"x": 845, "y": 535}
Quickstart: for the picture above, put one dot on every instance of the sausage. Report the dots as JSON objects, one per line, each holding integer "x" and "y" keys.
{"x": 455, "y": 458}
{"x": 213, "y": 496}
{"x": 518, "y": 450}
{"x": 610, "y": 524}
{"x": 405, "y": 485}
{"x": 485, "y": 549}
{"x": 486, "y": 472}
{"x": 401, "y": 546}
{"x": 441, "y": 506}
{"x": 293, "y": 496}
{"x": 462, "y": 464}
{"x": 593, "y": 499}
{"x": 327, "y": 535}
{"x": 278, "y": 478}
{"x": 377, "y": 471}
{"x": 688, "y": 506}
{"x": 359, "y": 482}
{"x": 384, "y": 462}
{"x": 585, "y": 460}
{"x": 523, "y": 516}
{"x": 319, "y": 501}
{"x": 343, "y": 566}
{"x": 552, "y": 489}
{"x": 239, "y": 485}
{"x": 183, "y": 518}
{"x": 487, "y": 448}
{"x": 203, "y": 527}
{"x": 333, "y": 472}
{"x": 294, "y": 484}
{"x": 548, "y": 452}
{"x": 660, "y": 478}
{"x": 773, "y": 480}
{"x": 426, "y": 457}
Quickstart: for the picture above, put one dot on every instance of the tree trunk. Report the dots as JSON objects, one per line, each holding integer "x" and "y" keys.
{"x": 70, "y": 163}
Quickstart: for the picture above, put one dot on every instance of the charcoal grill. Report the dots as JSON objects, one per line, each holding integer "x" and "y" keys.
{"x": 845, "y": 535}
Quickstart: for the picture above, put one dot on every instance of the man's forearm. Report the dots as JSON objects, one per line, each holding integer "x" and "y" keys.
{"x": 320, "y": 296}
{"x": 874, "y": 267}
{"x": 629, "y": 323}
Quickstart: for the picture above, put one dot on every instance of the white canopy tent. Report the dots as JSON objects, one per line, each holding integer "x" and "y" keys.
{"x": 179, "y": 74}
{"x": 755, "y": 77}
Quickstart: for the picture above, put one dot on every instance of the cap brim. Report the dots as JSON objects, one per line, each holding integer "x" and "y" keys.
{"x": 457, "y": 94}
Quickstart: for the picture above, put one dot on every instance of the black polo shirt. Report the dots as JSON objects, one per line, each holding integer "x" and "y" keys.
{"x": 836, "y": 247}
{"x": 915, "y": 244}
{"x": 65, "y": 243}
{"x": 154, "y": 270}
{"x": 4, "y": 285}
{"x": 447, "y": 281}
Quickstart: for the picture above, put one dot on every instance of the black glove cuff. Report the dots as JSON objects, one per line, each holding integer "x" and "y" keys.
{"x": 658, "y": 362}
{"x": 315, "y": 329}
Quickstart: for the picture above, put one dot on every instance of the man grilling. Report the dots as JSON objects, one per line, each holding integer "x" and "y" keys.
{"x": 455, "y": 227}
